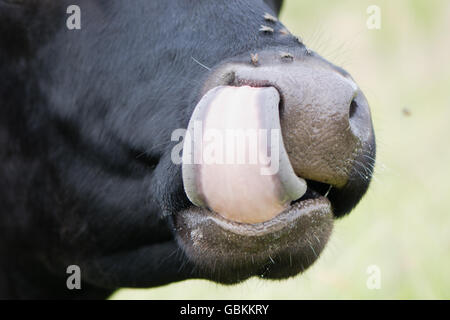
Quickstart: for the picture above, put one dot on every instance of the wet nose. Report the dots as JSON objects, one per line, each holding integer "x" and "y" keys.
{"x": 325, "y": 118}
{"x": 321, "y": 122}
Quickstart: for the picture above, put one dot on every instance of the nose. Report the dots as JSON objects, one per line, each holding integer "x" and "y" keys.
{"x": 325, "y": 118}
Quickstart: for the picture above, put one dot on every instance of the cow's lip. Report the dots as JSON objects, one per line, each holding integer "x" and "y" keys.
{"x": 232, "y": 251}
{"x": 289, "y": 215}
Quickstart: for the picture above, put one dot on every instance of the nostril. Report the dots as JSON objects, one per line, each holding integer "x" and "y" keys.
{"x": 353, "y": 107}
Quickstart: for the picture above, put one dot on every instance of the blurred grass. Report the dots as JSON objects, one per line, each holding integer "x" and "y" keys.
{"x": 402, "y": 224}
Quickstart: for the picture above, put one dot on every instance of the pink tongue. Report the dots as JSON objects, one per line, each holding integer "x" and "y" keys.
{"x": 234, "y": 160}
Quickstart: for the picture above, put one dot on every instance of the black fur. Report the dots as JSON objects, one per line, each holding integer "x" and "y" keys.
{"x": 85, "y": 123}
{"x": 85, "y": 116}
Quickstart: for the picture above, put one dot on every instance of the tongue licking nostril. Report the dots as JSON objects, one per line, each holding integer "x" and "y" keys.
{"x": 234, "y": 159}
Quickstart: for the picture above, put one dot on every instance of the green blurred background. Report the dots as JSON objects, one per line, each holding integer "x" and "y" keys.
{"x": 402, "y": 224}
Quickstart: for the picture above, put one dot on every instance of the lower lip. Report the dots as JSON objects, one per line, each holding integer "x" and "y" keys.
{"x": 289, "y": 215}
{"x": 209, "y": 240}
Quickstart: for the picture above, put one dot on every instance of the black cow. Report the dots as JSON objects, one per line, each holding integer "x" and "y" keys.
{"x": 86, "y": 118}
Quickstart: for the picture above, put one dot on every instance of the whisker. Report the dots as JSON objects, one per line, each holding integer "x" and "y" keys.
{"x": 201, "y": 64}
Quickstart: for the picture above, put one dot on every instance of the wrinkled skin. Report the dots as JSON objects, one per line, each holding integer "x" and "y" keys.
{"x": 85, "y": 123}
